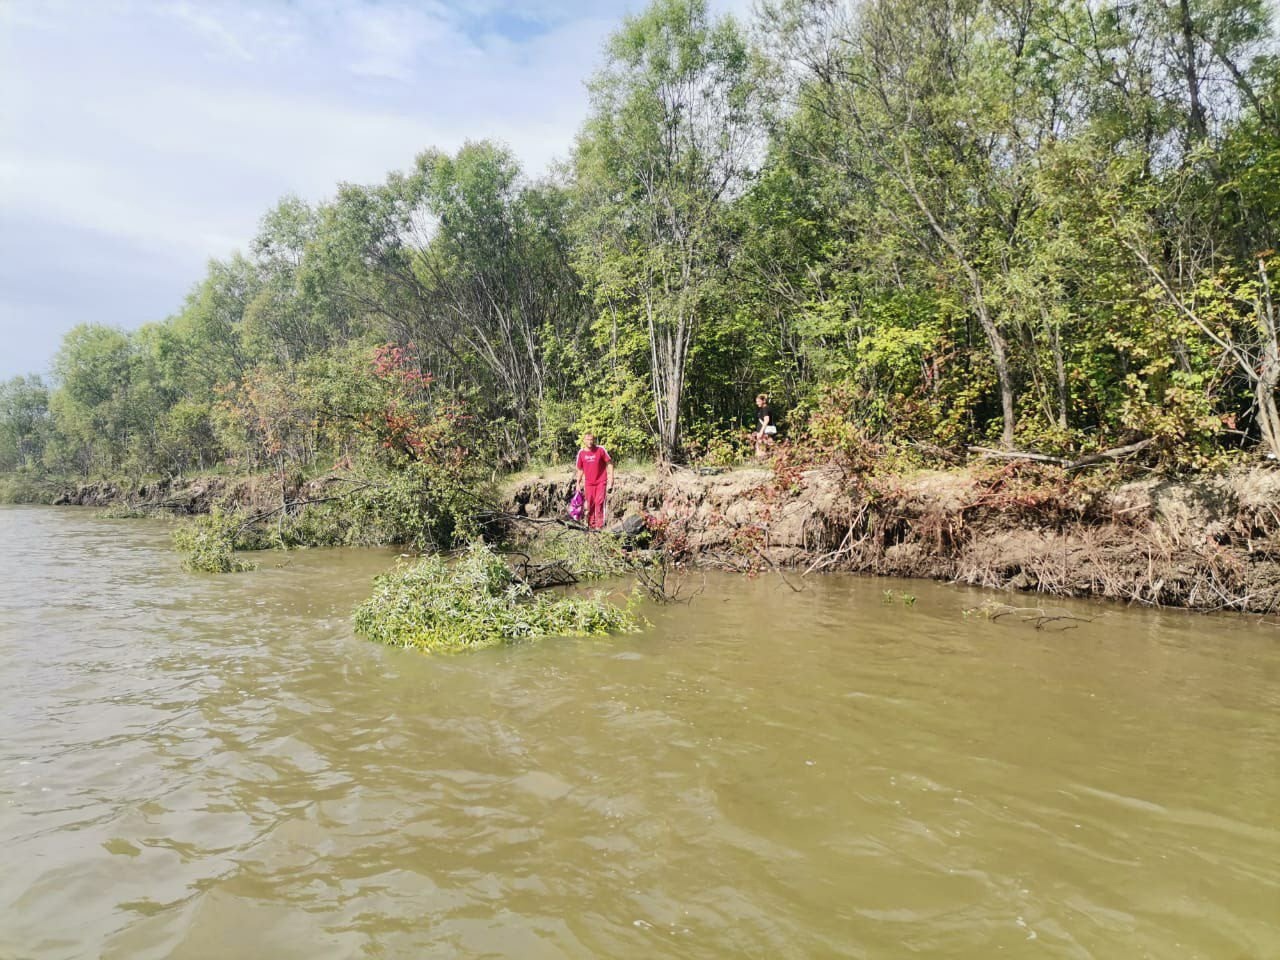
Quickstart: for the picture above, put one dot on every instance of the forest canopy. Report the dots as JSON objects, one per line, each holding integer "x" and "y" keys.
{"x": 1023, "y": 224}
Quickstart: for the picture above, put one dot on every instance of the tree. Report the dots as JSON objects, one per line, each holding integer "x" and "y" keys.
{"x": 293, "y": 313}
{"x": 93, "y": 402}
{"x": 941, "y": 110}
{"x": 672, "y": 139}
{"x": 24, "y": 421}
{"x": 470, "y": 263}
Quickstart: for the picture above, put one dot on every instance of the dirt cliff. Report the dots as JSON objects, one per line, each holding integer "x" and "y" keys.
{"x": 1208, "y": 543}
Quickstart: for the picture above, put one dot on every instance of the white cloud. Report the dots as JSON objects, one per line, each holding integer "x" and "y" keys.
{"x": 387, "y": 41}
{"x": 167, "y": 130}
{"x": 206, "y": 23}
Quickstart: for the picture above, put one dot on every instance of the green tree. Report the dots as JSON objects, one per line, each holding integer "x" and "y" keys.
{"x": 24, "y": 422}
{"x": 672, "y": 140}
{"x": 93, "y": 401}
{"x": 468, "y": 262}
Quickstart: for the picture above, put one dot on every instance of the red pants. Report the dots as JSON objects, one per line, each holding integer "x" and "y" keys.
{"x": 595, "y": 496}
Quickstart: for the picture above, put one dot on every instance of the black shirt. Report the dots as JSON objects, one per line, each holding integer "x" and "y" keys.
{"x": 766, "y": 411}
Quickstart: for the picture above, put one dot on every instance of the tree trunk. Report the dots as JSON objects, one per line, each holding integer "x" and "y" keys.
{"x": 1000, "y": 357}
{"x": 995, "y": 339}
{"x": 1269, "y": 372}
{"x": 1268, "y": 414}
{"x": 1060, "y": 371}
{"x": 1197, "y": 126}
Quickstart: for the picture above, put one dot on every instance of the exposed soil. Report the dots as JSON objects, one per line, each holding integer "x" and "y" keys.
{"x": 1209, "y": 543}
{"x": 196, "y": 495}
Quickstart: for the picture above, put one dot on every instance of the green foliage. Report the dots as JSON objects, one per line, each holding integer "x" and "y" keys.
{"x": 108, "y": 399}
{"x": 921, "y": 223}
{"x": 616, "y": 409}
{"x": 421, "y": 505}
{"x": 709, "y": 447}
{"x": 210, "y": 543}
{"x": 558, "y": 431}
{"x": 24, "y": 422}
{"x": 437, "y": 605}
{"x": 28, "y": 486}
{"x": 589, "y": 556}
{"x": 187, "y": 438}
{"x": 675, "y": 111}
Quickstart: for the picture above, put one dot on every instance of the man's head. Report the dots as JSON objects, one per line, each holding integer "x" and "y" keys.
{"x": 761, "y": 399}
{"x": 589, "y": 441}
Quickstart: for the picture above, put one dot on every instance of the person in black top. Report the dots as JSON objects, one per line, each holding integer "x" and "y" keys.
{"x": 767, "y": 425}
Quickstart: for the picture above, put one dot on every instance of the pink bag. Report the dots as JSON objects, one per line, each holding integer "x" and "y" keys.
{"x": 576, "y": 505}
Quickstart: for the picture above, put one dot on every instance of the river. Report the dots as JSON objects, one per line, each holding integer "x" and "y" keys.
{"x": 210, "y": 767}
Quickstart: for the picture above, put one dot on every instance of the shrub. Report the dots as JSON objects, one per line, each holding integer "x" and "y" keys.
{"x": 26, "y": 486}
{"x": 474, "y": 602}
{"x": 589, "y": 556}
{"x": 209, "y": 543}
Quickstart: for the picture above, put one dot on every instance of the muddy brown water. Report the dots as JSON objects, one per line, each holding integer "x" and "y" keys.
{"x": 217, "y": 767}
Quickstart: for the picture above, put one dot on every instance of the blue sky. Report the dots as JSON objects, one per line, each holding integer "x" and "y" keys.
{"x": 139, "y": 138}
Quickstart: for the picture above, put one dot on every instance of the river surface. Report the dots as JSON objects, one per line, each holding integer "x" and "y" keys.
{"x": 217, "y": 767}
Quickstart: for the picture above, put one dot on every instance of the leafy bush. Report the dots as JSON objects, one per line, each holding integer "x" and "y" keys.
{"x": 27, "y": 486}
{"x": 209, "y": 543}
{"x": 592, "y": 556}
{"x": 618, "y": 409}
{"x": 475, "y": 602}
{"x": 424, "y": 505}
{"x": 714, "y": 445}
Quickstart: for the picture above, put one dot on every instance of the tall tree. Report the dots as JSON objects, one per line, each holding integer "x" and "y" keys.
{"x": 941, "y": 109}
{"x": 673, "y": 138}
{"x": 24, "y": 421}
{"x": 470, "y": 262}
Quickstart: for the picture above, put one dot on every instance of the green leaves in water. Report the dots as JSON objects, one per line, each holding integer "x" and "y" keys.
{"x": 209, "y": 543}
{"x": 474, "y": 602}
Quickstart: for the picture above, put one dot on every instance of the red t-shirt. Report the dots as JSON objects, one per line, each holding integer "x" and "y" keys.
{"x": 592, "y": 463}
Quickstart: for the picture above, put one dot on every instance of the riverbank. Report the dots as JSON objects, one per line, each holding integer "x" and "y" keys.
{"x": 193, "y": 496}
{"x": 1206, "y": 543}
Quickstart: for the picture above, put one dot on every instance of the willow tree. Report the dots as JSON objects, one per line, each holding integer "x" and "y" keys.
{"x": 672, "y": 139}
{"x": 24, "y": 421}
{"x": 468, "y": 260}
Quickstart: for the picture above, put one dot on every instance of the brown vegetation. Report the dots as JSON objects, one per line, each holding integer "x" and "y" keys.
{"x": 1209, "y": 544}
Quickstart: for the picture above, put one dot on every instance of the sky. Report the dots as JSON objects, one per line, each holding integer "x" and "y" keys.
{"x": 140, "y": 138}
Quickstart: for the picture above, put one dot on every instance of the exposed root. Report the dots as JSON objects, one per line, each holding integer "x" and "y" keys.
{"x": 1210, "y": 544}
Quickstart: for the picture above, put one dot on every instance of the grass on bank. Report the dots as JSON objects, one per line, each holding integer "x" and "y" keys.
{"x": 436, "y": 605}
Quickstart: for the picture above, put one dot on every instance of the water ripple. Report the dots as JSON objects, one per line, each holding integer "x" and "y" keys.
{"x": 197, "y": 766}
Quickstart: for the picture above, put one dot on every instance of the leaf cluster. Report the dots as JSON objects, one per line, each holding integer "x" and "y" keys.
{"x": 441, "y": 605}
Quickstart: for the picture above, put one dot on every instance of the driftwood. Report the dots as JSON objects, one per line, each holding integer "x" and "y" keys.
{"x": 935, "y": 451}
{"x": 1113, "y": 454}
{"x": 1039, "y": 617}
{"x": 1089, "y": 460}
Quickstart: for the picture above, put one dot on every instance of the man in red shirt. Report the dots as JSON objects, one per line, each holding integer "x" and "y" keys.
{"x": 595, "y": 479}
